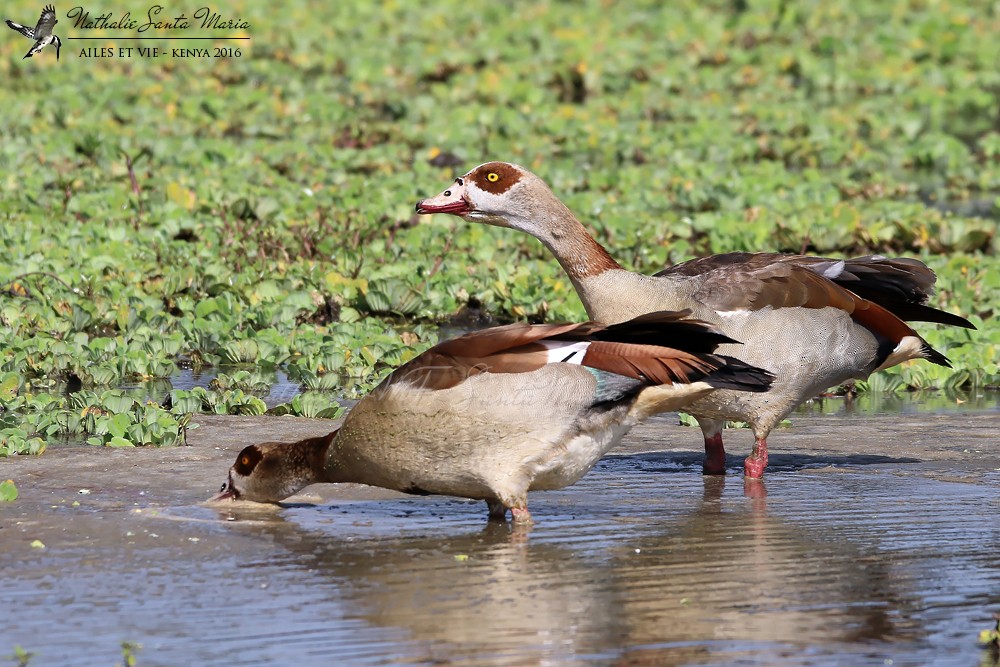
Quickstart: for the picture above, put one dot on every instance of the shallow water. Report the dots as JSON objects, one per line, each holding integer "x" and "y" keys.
{"x": 854, "y": 560}
{"x": 280, "y": 389}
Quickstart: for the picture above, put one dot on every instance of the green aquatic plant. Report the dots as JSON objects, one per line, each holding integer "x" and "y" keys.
{"x": 259, "y": 210}
{"x": 310, "y": 404}
{"x": 224, "y": 402}
{"x": 246, "y": 381}
{"x": 111, "y": 418}
{"x": 990, "y": 640}
{"x": 21, "y": 657}
{"x": 129, "y": 651}
{"x": 8, "y": 491}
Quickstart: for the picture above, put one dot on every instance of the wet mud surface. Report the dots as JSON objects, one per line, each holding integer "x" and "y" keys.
{"x": 873, "y": 541}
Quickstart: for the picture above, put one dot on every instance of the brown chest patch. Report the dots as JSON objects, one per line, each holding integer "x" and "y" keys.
{"x": 495, "y": 177}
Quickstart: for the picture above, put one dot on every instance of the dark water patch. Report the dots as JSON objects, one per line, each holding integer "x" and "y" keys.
{"x": 280, "y": 388}
{"x": 985, "y": 208}
{"x": 687, "y": 462}
{"x": 902, "y": 403}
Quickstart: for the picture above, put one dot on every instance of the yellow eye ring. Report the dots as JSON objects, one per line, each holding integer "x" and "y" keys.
{"x": 245, "y": 461}
{"x": 492, "y": 177}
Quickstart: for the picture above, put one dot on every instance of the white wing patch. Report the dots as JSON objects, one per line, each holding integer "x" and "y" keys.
{"x": 834, "y": 270}
{"x": 910, "y": 347}
{"x": 566, "y": 352}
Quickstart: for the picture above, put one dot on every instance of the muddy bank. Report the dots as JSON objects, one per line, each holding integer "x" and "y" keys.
{"x": 872, "y": 539}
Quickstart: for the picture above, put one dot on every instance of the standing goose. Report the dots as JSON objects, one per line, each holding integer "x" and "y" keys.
{"x": 493, "y": 414}
{"x": 813, "y": 322}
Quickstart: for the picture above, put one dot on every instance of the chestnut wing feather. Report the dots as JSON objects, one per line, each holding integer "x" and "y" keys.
{"x": 901, "y": 285}
{"x": 643, "y": 349}
{"x": 490, "y": 350}
{"x": 774, "y": 285}
{"x": 650, "y": 363}
{"x": 752, "y": 282}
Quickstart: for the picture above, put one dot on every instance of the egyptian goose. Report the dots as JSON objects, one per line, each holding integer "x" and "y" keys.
{"x": 495, "y": 413}
{"x": 812, "y": 321}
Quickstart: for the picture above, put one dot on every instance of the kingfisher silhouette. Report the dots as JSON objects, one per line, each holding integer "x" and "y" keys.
{"x": 41, "y": 33}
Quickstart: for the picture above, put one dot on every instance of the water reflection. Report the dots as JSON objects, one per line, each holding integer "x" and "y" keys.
{"x": 714, "y": 575}
{"x": 733, "y": 574}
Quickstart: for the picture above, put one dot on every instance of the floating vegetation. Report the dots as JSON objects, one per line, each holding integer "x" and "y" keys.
{"x": 151, "y": 226}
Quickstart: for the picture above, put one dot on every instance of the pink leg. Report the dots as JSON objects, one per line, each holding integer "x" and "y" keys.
{"x": 715, "y": 455}
{"x": 755, "y": 464}
{"x": 521, "y": 515}
{"x": 755, "y": 490}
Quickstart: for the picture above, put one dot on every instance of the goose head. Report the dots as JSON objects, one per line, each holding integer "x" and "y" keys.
{"x": 497, "y": 193}
{"x": 272, "y": 471}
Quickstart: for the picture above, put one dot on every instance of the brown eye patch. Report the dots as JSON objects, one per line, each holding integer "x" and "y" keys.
{"x": 495, "y": 177}
{"x": 248, "y": 460}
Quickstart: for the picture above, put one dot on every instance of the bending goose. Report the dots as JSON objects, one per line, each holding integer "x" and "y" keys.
{"x": 812, "y": 321}
{"x": 493, "y": 414}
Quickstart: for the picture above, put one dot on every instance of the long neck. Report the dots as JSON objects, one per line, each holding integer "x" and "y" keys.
{"x": 340, "y": 464}
{"x": 308, "y": 458}
{"x": 579, "y": 254}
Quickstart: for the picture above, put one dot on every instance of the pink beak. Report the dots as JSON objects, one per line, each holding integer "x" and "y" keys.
{"x": 452, "y": 200}
{"x": 227, "y": 492}
{"x": 220, "y": 496}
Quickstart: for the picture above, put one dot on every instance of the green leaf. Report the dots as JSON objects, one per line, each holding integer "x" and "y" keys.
{"x": 118, "y": 426}
{"x": 9, "y": 384}
{"x": 117, "y": 402}
{"x": 206, "y": 308}
{"x": 8, "y": 491}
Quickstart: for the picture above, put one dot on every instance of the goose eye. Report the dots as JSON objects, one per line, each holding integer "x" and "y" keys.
{"x": 224, "y": 485}
{"x": 245, "y": 460}
{"x": 492, "y": 177}
{"x": 447, "y": 193}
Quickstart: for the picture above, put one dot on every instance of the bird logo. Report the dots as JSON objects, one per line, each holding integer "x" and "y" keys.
{"x": 41, "y": 33}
